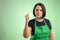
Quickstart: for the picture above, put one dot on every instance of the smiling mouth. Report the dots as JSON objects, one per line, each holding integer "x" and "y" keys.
{"x": 38, "y": 14}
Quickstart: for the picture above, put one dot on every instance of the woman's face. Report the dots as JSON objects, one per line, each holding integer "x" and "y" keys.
{"x": 38, "y": 11}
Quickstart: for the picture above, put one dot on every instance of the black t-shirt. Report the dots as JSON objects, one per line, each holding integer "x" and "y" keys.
{"x": 32, "y": 24}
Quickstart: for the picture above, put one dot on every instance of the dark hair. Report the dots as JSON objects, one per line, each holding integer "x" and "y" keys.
{"x": 43, "y": 9}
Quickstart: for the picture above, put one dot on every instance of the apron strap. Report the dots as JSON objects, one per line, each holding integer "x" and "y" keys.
{"x": 35, "y": 22}
{"x": 43, "y": 20}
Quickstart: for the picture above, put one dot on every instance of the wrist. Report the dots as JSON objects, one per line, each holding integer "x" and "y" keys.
{"x": 27, "y": 21}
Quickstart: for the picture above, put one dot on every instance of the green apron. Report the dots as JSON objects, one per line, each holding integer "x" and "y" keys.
{"x": 41, "y": 32}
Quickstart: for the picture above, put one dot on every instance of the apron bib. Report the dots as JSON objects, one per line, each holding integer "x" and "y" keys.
{"x": 41, "y": 32}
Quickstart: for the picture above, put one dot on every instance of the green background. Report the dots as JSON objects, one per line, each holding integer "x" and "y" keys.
{"x": 12, "y": 17}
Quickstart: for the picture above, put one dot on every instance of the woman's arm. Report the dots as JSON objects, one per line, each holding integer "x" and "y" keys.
{"x": 27, "y": 29}
{"x": 51, "y": 35}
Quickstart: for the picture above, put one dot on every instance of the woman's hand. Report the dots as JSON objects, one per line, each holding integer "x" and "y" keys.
{"x": 27, "y": 17}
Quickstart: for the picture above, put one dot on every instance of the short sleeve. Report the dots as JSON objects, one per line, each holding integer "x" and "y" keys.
{"x": 30, "y": 23}
{"x": 49, "y": 24}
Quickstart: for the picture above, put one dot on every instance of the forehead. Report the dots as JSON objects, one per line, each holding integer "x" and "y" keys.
{"x": 38, "y": 7}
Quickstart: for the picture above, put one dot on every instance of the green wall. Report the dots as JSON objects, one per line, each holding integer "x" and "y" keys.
{"x": 12, "y": 17}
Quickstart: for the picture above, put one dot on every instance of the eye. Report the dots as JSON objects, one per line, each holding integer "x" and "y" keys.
{"x": 37, "y": 9}
{"x": 40, "y": 10}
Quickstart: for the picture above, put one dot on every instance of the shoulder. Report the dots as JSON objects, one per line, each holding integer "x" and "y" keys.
{"x": 32, "y": 20}
{"x": 46, "y": 19}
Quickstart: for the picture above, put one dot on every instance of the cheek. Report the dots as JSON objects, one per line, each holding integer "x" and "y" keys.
{"x": 35, "y": 12}
{"x": 41, "y": 13}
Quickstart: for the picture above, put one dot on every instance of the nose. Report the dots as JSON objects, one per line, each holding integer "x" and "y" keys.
{"x": 38, "y": 11}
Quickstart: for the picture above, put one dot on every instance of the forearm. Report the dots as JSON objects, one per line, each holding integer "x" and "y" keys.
{"x": 51, "y": 35}
{"x": 51, "y": 38}
{"x": 27, "y": 30}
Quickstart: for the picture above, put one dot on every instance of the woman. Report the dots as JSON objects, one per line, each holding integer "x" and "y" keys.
{"x": 39, "y": 27}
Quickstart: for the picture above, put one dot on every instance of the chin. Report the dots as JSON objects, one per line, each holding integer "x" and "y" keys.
{"x": 38, "y": 16}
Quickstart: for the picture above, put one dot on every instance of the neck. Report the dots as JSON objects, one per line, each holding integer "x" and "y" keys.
{"x": 39, "y": 19}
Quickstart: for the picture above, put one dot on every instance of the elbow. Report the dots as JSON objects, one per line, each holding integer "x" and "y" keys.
{"x": 25, "y": 36}
{"x": 51, "y": 38}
